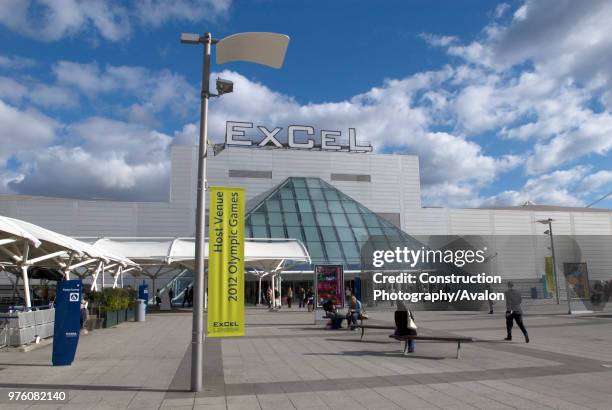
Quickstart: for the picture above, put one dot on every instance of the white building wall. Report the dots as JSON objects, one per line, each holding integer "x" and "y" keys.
{"x": 522, "y": 257}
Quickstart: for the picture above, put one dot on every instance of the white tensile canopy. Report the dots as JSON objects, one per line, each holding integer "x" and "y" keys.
{"x": 262, "y": 256}
{"x": 23, "y": 244}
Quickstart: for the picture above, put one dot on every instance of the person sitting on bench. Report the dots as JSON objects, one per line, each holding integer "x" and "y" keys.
{"x": 404, "y": 324}
{"x": 353, "y": 313}
{"x": 330, "y": 312}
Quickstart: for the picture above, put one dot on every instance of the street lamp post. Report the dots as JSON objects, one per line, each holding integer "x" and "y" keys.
{"x": 554, "y": 262}
{"x": 262, "y": 48}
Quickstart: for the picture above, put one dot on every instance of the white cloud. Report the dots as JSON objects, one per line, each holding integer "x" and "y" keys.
{"x": 24, "y": 131}
{"x": 34, "y": 92}
{"x": 156, "y": 12}
{"x": 438, "y": 40}
{"x": 98, "y": 158}
{"x": 154, "y": 91}
{"x": 52, "y": 20}
{"x": 15, "y": 62}
{"x": 570, "y": 187}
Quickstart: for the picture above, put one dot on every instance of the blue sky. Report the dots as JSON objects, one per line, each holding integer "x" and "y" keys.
{"x": 502, "y": 102}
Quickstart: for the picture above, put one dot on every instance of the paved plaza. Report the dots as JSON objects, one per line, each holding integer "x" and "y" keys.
{"x": 287, "y": 362}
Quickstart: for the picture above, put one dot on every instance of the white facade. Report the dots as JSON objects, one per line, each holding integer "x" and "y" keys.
{"x": 386, "y": 184}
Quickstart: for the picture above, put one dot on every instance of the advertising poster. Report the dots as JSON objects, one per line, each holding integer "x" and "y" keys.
{"x": 550, "y": 276}
{"x": 329, "y": 284}
{"x": 577, "y": 278}
{"x": 226, "y": 262}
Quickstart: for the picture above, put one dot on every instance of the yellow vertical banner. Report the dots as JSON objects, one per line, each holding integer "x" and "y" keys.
{"x": 550, "y": 275}
{"x": 226, "y": 262}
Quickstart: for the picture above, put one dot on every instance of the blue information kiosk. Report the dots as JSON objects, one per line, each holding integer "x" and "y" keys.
{"x": 67, "y": 321}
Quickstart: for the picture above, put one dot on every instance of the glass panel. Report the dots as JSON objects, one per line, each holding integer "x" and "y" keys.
{"x": 331, "y": 195}
{"x": 371, "y": 220}
{"x": 335, "y": 207}
{"x": 328, "y": 234}
{"x": 350, "y": 207}
{"x": 277, "y": 232}
{"x": 391, "y": 232}
{"x": 333, "y": 250}
{"x": 324, "y": 219}
{"x": 299, "y": 182}
{"x": 375, "y": 231}
{"x": 316, "y": 193}
{"x": 320, "y": 206}
{"x": 351, "y": 251}
{"x": 258, "y": 219}
{"x": 304, "y": 205}
{"x": 308, "y": 219}
{"x": 275, "y": 219}
{"x": 247, "y": 231}
{"x": 340, "y": 220}
{"x": 301, "y": 193}
{"x": 315, "y": 250}
{"x": 273, "y": 205}
{"x": 313, "y": 183}
{"x": 260, "y": 232}
{"x": 355, "y": 220}
{"x": 289, "y": 205}
{"x": 295, "y": 232}
{"x": 291, "y": 219}
{"x": 346, "y": 234}
{"x": 312, "y": 234}
{"x": 361, "y": 234}
{"x": 286, "y": 193}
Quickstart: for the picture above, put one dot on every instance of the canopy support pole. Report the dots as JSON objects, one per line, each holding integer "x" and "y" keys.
{"x": 259, "y": 293}
{"x": 24, "y": 274}
{"x": 273, "y": 295}
{"x": 280, "y": 291}
{"x": 116, "y": 276}
{"x": 94, "y": 282}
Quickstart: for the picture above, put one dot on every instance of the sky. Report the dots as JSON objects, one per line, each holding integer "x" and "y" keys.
{"x": 503, "y": 102}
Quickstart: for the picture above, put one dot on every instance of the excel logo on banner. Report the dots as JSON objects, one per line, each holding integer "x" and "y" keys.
{"x": 226, "y": 262}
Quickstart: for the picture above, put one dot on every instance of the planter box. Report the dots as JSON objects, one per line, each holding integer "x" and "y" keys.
{"x": 130, "y": 314}
{"x": 110, "y": 319}
{"x": 121, "y": 316}
{"x": 93, "y": 323}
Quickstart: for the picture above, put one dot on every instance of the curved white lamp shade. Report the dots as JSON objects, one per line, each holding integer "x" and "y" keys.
{"x": 262, "y": 48}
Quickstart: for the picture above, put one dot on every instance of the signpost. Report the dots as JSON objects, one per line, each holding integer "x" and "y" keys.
{"x": 226, "y": 262}
{"x": 67, "y": 321}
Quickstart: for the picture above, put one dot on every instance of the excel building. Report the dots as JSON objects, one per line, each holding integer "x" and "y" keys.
{"x": 330, "y": 196}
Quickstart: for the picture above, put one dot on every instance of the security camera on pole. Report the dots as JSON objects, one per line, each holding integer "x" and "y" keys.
{"x": 262, "y": 48}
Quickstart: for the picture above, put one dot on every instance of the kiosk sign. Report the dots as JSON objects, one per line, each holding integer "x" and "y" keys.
{"x": 226, "y": 262}
{"x": 329, "y": 282}
{"x": 67, "y": 321}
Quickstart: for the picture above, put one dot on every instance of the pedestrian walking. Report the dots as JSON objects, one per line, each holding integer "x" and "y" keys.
{"x": 310, "y": 300}
{"x": 289, "y": 297}
{"x": 190, "y": 299}
{"x": 514, "y": 312}
{"x": 301, "y": 298}
{"x": 157, "y": 299}
{"x": 171, "y": 296}
{"x": 185, "y": 297}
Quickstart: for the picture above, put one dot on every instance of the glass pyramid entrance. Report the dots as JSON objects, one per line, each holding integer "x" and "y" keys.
{"x": 332, "y": 225}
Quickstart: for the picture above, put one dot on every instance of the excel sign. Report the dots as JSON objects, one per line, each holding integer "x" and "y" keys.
{"x": 296, "y": 137}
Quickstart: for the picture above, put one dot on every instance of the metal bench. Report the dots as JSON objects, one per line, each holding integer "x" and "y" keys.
{"x": 407, "y": 338}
